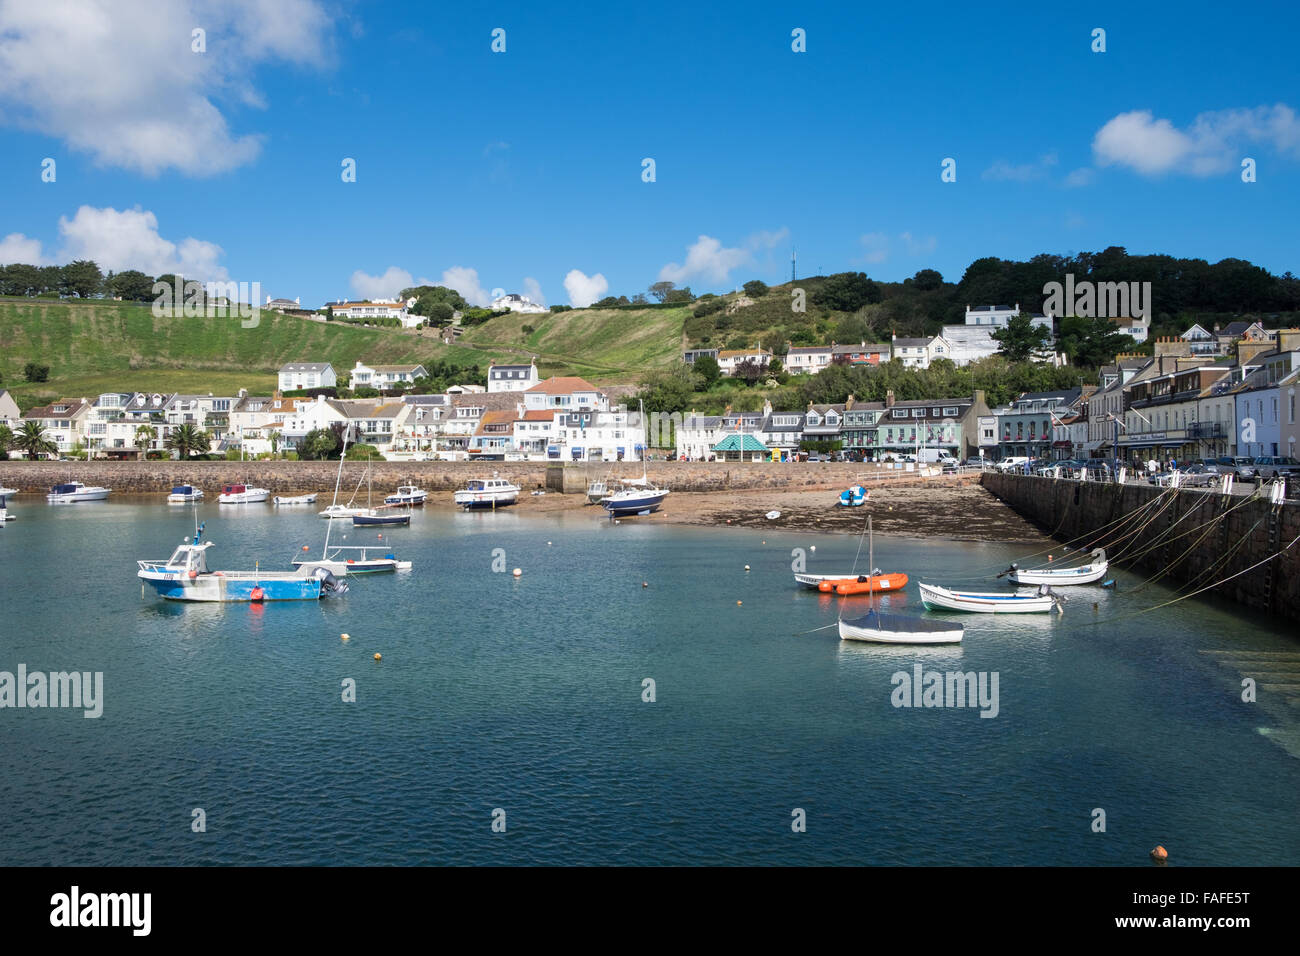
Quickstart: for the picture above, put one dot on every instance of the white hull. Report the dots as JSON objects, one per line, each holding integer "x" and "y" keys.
{"x": 298, "y": 500}
{"x": 340, "y": 511}
{"x": 91, "y": 494}
{"x": 983, "y": 602}
{"x": 812, "y": 580}
{"x": 1084, "y": 574}
{"x": 877, "y": 629}
{"x": 8, "y": 491}
{"x": 244, "y": 497}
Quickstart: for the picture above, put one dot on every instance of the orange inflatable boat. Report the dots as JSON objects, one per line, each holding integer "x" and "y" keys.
{"x": 864, "y": 584}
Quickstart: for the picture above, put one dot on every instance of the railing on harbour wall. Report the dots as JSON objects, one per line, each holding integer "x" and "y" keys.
{"x": 1225, "y": 536}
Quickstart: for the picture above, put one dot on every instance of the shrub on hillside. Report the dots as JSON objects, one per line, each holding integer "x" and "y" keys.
{"x": 755, "y": 288}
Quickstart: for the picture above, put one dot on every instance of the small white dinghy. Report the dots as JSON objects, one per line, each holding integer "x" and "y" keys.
{"x": 772, "y": 515}
{"x": 294, "y": 500}
{"x": 883, "y": 627}
{"x": 986, "y": 602}
{"x": 1089, "y": 573}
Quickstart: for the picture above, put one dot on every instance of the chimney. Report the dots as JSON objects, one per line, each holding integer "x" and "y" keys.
{"x": 848, "y": 403}
{"x": 889, "y": 398}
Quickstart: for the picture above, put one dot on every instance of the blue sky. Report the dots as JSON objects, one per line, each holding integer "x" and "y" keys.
{"x": 491, "y": 169}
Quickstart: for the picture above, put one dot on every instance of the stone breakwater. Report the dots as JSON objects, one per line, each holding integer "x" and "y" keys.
{"x": 1194, "y": 550}
{"x": 302, "y": 477}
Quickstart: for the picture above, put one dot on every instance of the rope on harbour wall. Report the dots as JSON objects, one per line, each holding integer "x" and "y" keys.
{"x": 1208, "y": 587}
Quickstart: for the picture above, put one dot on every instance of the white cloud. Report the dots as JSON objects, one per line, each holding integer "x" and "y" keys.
{"x": 465, "y": 281}
{"x": 385, "y": 286}
{"x": 17, "y": 248}
{"x": 129, "y": 239}
{"x": 1003, "y": 171}
{"x": 1213, "y": 144}
{"x": 533, "y": 289}
{"x": 120, "y": 81}
{"x": 877, "y": 247}
{"x": 1082, "y": 176}
{"x": 584, "y": 289}
{"x": 918, "y": 247}
{"x": 706, "y": 259}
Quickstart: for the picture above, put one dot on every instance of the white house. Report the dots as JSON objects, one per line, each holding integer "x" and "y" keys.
{"x": 919, "y": 352}
{"x": 517, "y": 303}
{"x": 303, "y": 375}
{"x": 996, "y": 316}
{"x": 1136, "y": 326}
{"x": 1202, "y": 342}
{"x": 64, "y": 421}
{"x": 385, "y": 376}
{"x": 807, "y": 359}
{"x": 728, "y": 359}
{"x": 9, "y": 411}
{"x": 970, "y": 343}
{"x": 564, "y": 393}
{"x": 512, "y": 378}
{"x": 378, "y": 309}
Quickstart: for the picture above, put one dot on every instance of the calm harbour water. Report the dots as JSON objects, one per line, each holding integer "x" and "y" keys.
{"x": 526, "y": 695}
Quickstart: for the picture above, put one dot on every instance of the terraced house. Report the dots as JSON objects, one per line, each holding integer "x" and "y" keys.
{"x": 64, "y": 422}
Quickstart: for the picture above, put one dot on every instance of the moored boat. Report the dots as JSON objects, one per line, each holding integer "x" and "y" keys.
{"x": 73, "y": 491}
{"x": 487, "y": 493}
{"x": 596, "y": 490}
{"x": 637, "y": 496}
{"x": 983, "y": 602}
{"x": 4, "y": 513}
{"x": 294, "y": 499}
{"x": 185, "y": 577}
{"x": 407, "y": 495}
{"x": 183, "y": 494}
{"x": 1089, "y": 573}
{"x": 363, "y": 561}
{"x": 853, "y": 497}
{"x": 380, "y": 518}
{"x": 241, "y": 495}
{"x": 872, "y": 583}
{"x": 884, "y": 627}
{"x": 8, "y": 491}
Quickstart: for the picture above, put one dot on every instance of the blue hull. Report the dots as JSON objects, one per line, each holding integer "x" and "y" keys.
{"x": 634, "y": 506}
{"x": 222, "y": 589}
{"x": 383, "y": 519}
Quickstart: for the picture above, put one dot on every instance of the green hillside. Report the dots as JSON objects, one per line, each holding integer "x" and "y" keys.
{"x": 97, "y": 346}
{"x": 594, "y": 343}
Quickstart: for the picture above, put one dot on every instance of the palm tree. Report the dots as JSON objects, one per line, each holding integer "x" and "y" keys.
{"x": 144, "y": 436}
{"x": 188, "y": 439}
{"x": 31, "y": 439}
{"x": 6, "y": 441}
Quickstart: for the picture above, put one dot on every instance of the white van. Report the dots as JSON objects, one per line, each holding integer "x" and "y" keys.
{"x": 1012, "y": 464}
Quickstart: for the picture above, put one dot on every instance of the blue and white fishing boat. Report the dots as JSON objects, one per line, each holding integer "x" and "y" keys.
{"x": 183, "y": 494}
{"x": 407, "y": 495}
{"x": 637, "y": 496}
{"x": 853, "y": 497}
{"x": 984, "y": 602}
{"x": 185, "y": 577}
{"x": 486, "y": 493}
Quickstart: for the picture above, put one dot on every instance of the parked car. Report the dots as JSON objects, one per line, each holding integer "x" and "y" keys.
{"x": 1275, "y": 467}
{"x": 978, "y": 461}
{"x": 1201, "y": 473}
{"x": 1012, "y": 464}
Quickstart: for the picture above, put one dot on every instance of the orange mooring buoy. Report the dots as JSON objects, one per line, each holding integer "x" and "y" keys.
{"x": 1160, "y": 854}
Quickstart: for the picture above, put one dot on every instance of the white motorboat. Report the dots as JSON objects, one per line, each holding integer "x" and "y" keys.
{"x": 343, "y": 511}
{"x": 984, "y": 602}
{"x": 812, "y": 580}
{"x": 1089, "y": 573}
{"x": 407, "y": 495}
{"x": 183, "y": 494}
{"x": 294, "y": 500}
{"x": 596, "y": 490}
{"x": 8, "y": 491}
{"x": 241, "y": 495}
{"x": 487, "y": 493}
{"x": 4, "y": 514}
{"x": 76, "y": 491}
{"x": 883, "y": 627}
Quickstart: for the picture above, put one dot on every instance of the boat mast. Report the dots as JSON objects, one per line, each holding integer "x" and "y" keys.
{"x": 324, "y": 553}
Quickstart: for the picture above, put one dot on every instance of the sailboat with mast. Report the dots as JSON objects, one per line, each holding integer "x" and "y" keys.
{"x": 350, "y": 559}
{"x": 371, "y": 515}
{"x": 891, "y": 627}
{"x": 636, "y": 496}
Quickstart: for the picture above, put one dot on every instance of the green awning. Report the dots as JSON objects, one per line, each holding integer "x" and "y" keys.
{"x": 740, "y": 443}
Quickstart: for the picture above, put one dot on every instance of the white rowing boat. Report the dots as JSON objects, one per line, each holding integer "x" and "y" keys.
{"x": 1089, "y": 573}
{"x": 883, "y": 627}
{"x": 984, "y": 602}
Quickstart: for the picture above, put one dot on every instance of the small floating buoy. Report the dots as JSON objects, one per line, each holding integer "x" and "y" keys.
{"x": 548, "y": 544}
{"x": 1049, "y": 557}
{"x": 257, "y": 594}
{"x": 345, "y": 636}
{"x": 747, "y": 567}
{"x": 738, "y": 604}
{"x": 645, "y": 584}
{"x": 814, "y": 548}
{"x": 304, "y": 547}
{"x": 1095, "y": 607}
{"x": 728, "y": 521}
{"x": 379, "y": 657}
{"x": 1160, "y": 854}
{"x": 517, "y": 572}
{"x": 381, "y": 535}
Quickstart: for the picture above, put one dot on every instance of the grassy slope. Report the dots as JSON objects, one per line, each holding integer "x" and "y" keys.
{"x": 114, "y": 346}
{"x": 595, "y": 343}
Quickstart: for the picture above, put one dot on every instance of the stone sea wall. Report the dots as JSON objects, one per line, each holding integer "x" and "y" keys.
{"x": 1070, "y": 509}
{"x": 302, "y": 477}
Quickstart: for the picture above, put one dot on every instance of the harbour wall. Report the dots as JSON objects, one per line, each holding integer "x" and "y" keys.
{"x": 1187, "y": 542}
{"x": 302, "y": 477}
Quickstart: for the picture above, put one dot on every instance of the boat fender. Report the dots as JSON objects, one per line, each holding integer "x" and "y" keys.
{"x": 258, "y": 594}
{"x": 193, "y": 575}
